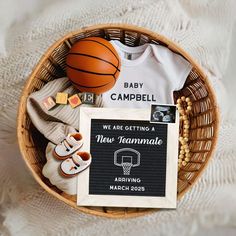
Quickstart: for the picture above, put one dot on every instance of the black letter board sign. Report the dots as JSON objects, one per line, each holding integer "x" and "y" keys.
{"x": 133, "y": 163}
{"x": 129, "y": 158}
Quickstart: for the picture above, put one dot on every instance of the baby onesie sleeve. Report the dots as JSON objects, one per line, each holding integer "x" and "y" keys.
{"x": 176, "y": 67}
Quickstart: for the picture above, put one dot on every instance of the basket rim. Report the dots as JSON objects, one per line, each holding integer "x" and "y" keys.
{"x": 172, "y": 46}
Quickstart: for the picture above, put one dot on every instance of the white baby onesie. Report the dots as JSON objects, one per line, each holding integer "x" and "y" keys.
{"x": 149, "y": 74}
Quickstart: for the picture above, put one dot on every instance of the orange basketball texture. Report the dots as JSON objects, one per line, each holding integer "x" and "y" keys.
{"x": 93, "y": 65}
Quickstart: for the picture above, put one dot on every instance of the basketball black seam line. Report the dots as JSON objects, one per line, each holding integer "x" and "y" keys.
{"x": 83, "y": 54}
{"x": 89, "y": 86}
{"x": 85, "y": 71}
{"x": 114, "y": 78}
{"x": 103, "y": 45}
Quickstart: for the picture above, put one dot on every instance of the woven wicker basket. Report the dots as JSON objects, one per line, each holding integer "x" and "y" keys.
{"x": 203, "y": 123}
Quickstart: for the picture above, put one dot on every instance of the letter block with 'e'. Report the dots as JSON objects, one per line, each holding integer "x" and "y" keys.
{"x": 88, "y": 98}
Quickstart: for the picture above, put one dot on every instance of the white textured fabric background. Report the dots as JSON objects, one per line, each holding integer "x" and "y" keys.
{"x": 203, "y": 28}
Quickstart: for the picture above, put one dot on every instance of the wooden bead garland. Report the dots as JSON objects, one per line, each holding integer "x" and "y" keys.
{"x": 184, "y": 106}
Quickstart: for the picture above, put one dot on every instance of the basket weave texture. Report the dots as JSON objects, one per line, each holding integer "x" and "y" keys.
{"x": 204, "y": 121}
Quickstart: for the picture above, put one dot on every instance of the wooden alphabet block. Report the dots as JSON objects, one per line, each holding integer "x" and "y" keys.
{"x": 48, "y": 103}
{"x": 88, "y": 98}
{"x": 74, "y": 101}
{"x": 61, "y": 98}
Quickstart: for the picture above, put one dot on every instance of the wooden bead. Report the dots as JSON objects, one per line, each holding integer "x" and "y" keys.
{"x": 184, "y": 163}
{"x": 183, "y": 98}
{"x": 181, "y": 138}
{"x": 185, "y": 117}
{"x": 187, "y": 150}
{"x": 187, "y": 159}
{"x": 189, "y": 108}
{"x": 186, "y": 122}
{"x": 182, "y": 152}
{"x": 186, "y": 126}
{"x": 184, "y": 143}
{"x": 187, "y": 155}
{"x": 189, "y": 104}
{"x": 186, "y": 135}
{"x": 186, "y": 139}
{"x": 187, "y": 100}
{"x": 181, "y": 156}
{"x": 178, "y": 101}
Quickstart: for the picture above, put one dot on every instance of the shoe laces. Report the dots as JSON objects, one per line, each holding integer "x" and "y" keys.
{"x": 66, "y": 145}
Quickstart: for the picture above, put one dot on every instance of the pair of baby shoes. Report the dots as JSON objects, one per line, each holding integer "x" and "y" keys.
{"x": 73, "y": 161}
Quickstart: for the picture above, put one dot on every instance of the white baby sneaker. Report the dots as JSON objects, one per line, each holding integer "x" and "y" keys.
{"x": 75, "y": 164}
{"x": 71, "y": 144}
{"x": 51, "y": 170}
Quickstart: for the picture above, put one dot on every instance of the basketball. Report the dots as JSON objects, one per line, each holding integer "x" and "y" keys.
{"x": 93, "y": 65}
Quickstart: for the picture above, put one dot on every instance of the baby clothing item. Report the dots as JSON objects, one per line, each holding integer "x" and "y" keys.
{"x": 149, "y": 74}
{"x": 78, "y": 162}
{"x": 55, "y": 124}
{"x": 68, "y": 146}
{"x": 51, "y": 170}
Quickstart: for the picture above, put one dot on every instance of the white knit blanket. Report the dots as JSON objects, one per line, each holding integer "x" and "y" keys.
{"x": 203, "y": 28}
